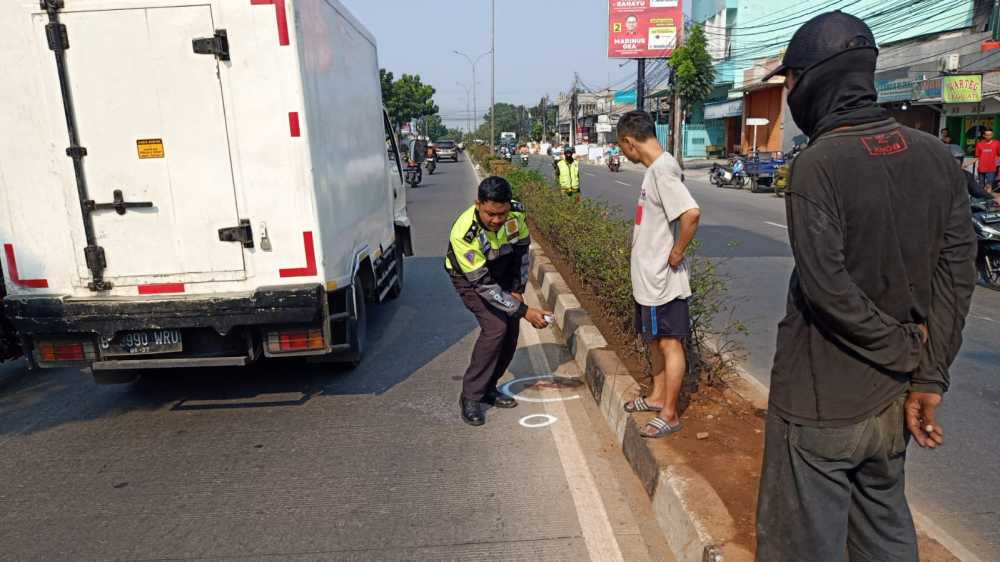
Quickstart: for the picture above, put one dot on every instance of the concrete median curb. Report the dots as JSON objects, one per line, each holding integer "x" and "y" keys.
{"x": 692, "y": 516}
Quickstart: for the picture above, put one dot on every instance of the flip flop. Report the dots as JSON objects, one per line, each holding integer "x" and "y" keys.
{"x": 639, "y": 405}
{"x": 662, "y": 428}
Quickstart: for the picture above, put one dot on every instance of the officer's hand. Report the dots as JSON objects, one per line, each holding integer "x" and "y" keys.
{"x": 518, "y": 296}
{"x": 536, "y": 318}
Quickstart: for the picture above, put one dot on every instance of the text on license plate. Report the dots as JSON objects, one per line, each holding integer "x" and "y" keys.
{"x": 145, "y": 342}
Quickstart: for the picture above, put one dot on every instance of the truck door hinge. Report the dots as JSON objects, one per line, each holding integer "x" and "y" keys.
{"x": 57, "y": 37}
{"x": 242, "y": 234}
{"x": 217, "y": 45}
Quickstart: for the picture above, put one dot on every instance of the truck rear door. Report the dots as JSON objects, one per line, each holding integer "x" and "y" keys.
{"x": 151, "y": 115}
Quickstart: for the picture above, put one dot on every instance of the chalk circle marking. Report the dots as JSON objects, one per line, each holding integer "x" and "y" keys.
{"x": 506, "y": 390}
{"x": 544, "y": 420}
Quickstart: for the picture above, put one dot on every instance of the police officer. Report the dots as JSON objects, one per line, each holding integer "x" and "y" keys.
{"x": 488, "y": 262}
{"x": 569, "y": 173}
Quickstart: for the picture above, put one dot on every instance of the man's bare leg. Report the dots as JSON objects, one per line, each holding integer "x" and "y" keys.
{"x": 669, "y": 365}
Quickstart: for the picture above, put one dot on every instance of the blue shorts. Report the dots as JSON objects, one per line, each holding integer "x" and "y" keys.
{"x": 671, "y": 320}
{"x": 987, "y": 178}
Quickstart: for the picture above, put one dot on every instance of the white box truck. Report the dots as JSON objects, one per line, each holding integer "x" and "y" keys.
{"x": 193, "y": 182}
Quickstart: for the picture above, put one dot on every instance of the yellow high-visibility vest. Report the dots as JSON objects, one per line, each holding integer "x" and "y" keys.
{"x": 569, "y": 176}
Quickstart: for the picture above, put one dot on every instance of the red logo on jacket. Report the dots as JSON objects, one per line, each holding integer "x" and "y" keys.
{"x": 885, "y": 144}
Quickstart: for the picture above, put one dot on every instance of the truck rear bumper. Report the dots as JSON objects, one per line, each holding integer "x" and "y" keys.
{"x": 33, "y": 316}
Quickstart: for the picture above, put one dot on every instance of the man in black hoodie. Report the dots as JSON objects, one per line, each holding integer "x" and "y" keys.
{"x": 884, "y": 249}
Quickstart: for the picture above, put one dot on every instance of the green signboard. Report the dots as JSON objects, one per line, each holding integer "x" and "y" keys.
{"x": 966, "y": 88}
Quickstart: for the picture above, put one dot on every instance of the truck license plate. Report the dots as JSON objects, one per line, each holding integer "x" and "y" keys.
{"x": 146, "y": 342}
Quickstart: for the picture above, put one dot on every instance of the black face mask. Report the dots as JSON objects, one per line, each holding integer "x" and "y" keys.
{"x": 837, "y": 92}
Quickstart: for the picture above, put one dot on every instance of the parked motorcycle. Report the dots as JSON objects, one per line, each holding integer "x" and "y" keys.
{"x": 614, "y": 163}
{"x": 413, "y": 174}
{"x": 986, "y": 220}
{"x": 734, "y": 176}
{"x": 431, "y": 164}
{"x": 524, "y": 160}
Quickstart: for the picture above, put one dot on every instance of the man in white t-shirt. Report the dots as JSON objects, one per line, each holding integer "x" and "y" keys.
{"x": 666, "y": 220}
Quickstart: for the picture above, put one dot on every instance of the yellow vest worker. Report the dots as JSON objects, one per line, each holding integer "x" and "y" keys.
{"x": 569, "y": 173}
{"x": 488, "y": 263}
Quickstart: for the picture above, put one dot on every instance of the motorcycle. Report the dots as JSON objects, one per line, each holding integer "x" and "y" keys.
{"x": 614, "y": 163}
{"x": 719, "y": 176}
{"x": 431, "y": 164}
{"x": 986, "y": 220}
{"x": 524, "y": 160}
{"x": 413, "y": 174}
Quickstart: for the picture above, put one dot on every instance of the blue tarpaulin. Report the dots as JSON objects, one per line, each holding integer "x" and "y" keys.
{"x": 625, "y": 97}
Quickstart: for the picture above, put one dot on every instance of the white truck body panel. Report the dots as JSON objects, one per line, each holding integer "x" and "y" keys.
{"x": 288, "y": 135}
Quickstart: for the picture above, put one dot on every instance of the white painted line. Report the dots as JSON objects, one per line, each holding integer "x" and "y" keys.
{"x": 589, "y": 174}
{"x": 544, "y": 421}
{"x": 983, "y": 318}
{"x": 598, "y": 534}
{"x": 776, "y": 224}
{"x": 623, "y": 183}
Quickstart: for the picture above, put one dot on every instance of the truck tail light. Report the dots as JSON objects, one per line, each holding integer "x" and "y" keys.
{"x": 291, "y": 341}
{"x": 65, "y": 351}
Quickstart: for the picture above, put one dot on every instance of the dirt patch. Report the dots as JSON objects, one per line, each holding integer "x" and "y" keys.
{"x": 729, "y": 457}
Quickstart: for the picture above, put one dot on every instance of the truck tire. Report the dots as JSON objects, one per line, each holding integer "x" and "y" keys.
{"x": 357, "y": 327}
{"x": 115, "y": 377}
{"x": 397, "y": 287}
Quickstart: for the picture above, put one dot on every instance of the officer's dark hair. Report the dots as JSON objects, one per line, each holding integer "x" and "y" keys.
{"x": 637, "y": 125}
{"x": 495, "y": 189}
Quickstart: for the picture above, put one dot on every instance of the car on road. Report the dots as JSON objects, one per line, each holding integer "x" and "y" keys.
{"x": 447, "y": 150}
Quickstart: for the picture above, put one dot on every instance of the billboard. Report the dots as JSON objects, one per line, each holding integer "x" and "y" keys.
{"x": 643, "y": 29}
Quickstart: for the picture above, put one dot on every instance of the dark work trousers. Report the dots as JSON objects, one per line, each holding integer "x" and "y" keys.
{"x": 837, "y": 493}
{"x": 495, "y": 347}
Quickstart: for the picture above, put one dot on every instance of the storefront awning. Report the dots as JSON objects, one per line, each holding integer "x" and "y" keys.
{"x": 732, "y": 108}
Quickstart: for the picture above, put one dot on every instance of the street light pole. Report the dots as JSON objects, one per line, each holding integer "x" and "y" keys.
{"x": 468, "y": 116}
{"x": 475, "y": 105}
{"x": 493, "y": 76}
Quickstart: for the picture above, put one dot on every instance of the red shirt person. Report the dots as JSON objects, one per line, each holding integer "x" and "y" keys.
{"x": 986, "y": 153}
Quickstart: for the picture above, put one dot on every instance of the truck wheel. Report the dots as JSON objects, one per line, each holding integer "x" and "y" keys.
{"x": 397, "y": 287}
{"x": 115, "y": 377}
{"x": 357, "y": 327}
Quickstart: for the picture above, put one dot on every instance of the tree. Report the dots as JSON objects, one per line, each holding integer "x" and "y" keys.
{"x": 510, "y": 117}
{"x": 536, "y": 132}
{"x": 407, "y": 98}
{"x": 433, "y": 127}
{"x": 455, "y": 134}
{"x": 694, "y": 76}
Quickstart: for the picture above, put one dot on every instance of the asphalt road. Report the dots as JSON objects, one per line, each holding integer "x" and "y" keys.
{"x": 296, "y": 461}
{"x": 957, "y": 486}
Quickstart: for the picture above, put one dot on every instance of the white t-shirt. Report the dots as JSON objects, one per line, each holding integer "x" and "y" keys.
{"x": 663, "y": 199}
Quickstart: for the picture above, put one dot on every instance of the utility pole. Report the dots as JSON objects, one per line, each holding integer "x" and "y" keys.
{"x": 493, "y": 76}
{"x": 573, "y": 111}
{"x": 995, "y": 20}
{"x": 468, "y": 116}
{"x": 640, "y": 85}
{"x": 545, "y": 114}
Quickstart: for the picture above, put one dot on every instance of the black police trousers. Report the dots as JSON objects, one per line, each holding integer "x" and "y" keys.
{"x": 831, "y": 494}
{"x": 494, "y": 350}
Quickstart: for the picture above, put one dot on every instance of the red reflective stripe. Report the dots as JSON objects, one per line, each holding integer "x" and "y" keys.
{"x": 279, "y": 9}
{"x": 293, "y": 123}
{"x": 310, "y": 268}
{"x": 160, "y": 288}
{"x": 15, "y": 277}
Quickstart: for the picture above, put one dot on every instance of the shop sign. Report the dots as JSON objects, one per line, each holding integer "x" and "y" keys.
{"x": 722, "y": 110}
{"x": 962, "y": 88}
{"x": 894, "y": 90}
{"x": 927, "y": 89}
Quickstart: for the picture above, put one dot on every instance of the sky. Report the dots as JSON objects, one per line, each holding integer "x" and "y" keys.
{"x": 539, "y": 45}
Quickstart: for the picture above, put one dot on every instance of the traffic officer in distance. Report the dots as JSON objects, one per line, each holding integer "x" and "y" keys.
{"x": 568, "y": 171}
{"x": 488, "y": 263}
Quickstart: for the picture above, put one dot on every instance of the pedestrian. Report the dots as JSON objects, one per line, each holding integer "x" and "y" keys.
{"x": 488, "y": 261}
{"x": 568, "y": 170}
{"x": 666, "y": 220}
{"x": 986, "y": 155}
{"x": 881, "y": 234}
{"x": 945, "y": 136}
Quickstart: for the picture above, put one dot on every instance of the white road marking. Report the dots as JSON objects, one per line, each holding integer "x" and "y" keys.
{"x": 589, "y": 174}
{"x": 623, "y": 183}
{"x": 544, "y": 420}
{"x": 602, "y": 545}
{"x": 776, "y": 224}
{"x": 506, "y": 390}
{"x": 984, "y": 318}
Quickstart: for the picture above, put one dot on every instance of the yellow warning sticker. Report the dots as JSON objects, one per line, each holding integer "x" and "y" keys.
{"x": 150, "y": 148}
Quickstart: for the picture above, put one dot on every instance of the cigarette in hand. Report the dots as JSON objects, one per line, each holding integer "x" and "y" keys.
{"x": 929, "y": 428}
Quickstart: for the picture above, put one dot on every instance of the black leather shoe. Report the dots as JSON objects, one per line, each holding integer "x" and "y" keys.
{"x": 499, "y": 400}
{"x": 472, "y": 413}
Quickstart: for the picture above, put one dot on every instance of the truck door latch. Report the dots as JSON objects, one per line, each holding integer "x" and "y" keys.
{"x": 242, "y": 234}
{"x": 217, "y": 45}
{"x": 119, "y": 205}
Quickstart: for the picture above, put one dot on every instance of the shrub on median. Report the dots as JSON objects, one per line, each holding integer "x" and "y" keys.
{"x": 588, "y": 235}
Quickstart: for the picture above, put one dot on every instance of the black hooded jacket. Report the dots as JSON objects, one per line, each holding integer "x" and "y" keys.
{"x": 881, "y": 232}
